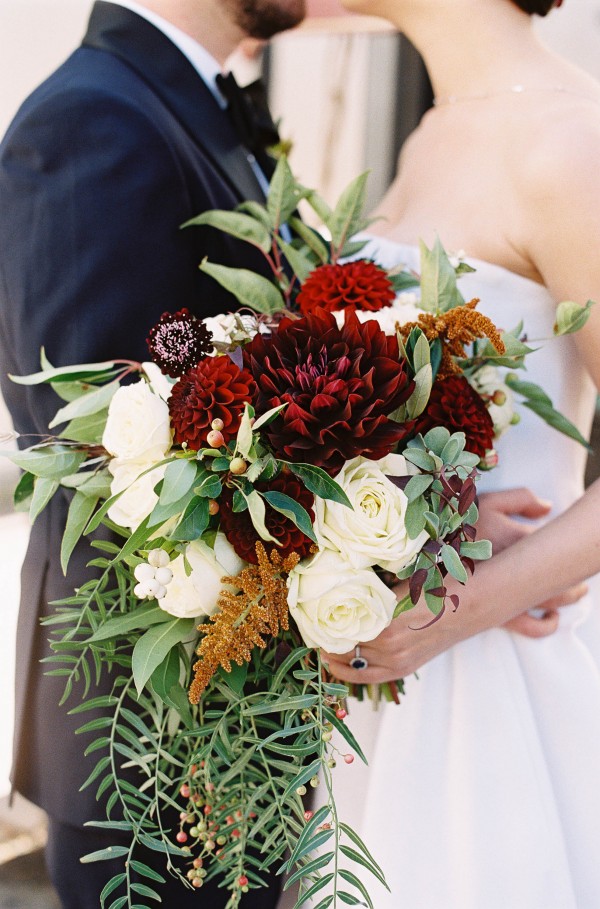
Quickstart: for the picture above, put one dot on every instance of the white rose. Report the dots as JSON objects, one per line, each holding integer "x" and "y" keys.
{"x": 336, "y": 606}
{"x": 138, "y": 426}
{"x": 197, "y": 595}
{"x": 138, "y": 497}
{"x": 373, "y": 531}
{"x": 230, "y": 328}
{"x": 160, "y": 384}
{"x": 403, "y": 310}
{"x": 488, "y": 382}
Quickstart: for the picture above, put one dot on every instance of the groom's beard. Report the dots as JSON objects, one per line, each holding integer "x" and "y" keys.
{"x": 265, "y": 18}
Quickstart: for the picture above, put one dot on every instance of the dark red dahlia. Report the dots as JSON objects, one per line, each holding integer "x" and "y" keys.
{"x": 239, "y": 529}
{"x": 213, "y": 389}
{"x": 354, "y": 285}
{"x": 340, "y": 384}
{"x": 458, "y": 407}
{"x": 178, "y": 341}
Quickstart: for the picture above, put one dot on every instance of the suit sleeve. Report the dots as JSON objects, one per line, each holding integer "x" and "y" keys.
{"x": 92, "y": 193}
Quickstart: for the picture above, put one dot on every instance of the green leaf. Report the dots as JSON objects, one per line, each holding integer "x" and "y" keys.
{"x": 346, "y": 733}
{"x": 318, "y": 885}
{"x": 302, "y": 777}
{"x": 144, "y": 890}
{"x": 415, "y": 517}
{"x": 87, "y": 404}
{"x": 24, "y": 490}
{"x": 154, "y": 645}
{"x": 236, "y": 678}
{"x": 95, "y": 485}
{"x": 292, "y": 510}
{"x": 80, "y": 511}
{"x": 417, "y": 402}
{"x": 557, "y": 421}
{"x": 210, "y": 487}
{"x": 439, "y": 291}
{"x": 112, "y": 885}
{"x": 145, "y": 871}
{"x": 313, "y": 240}
{"x": 268, "y": 417}
{"x": 87, "y": 372}
{"x": 417, "y": 485}
{"x": 571, "y": 316}
{"x": 529, "y": 390}
{"x": 310, "y": 868}
{"x": 179, "y": 478}
{"x": 43, "y": 491}
{"x": 403, "y": 280}
{"x": 244, "y": 438}
{"x": 86, "y": 429}
{"x": 421, "y": 353}
{"x": 249, "y": 288}
{"x": 346, "y": 218}
{"x": 51, "y": 461}
{"x": 479, "y": 549}
{"x": 452, "y": 561}
{"x": 422, "y": 459}
{"x": 320, "y": 483}
{"x": 236, "y": 224}
{"x": 122, "y": 625}
{"x": 318, "y": 818}
{"x": 351, "y": 878}
{"x": 257, "y": 511}
{"x": 285, "y": 193}
{"x": 104, "y": 855}
{"x": 436, "y": 439}
{"x": 194, "y": 521}
{"x": 300, "y": 262}
{"x": 361, "y": 859}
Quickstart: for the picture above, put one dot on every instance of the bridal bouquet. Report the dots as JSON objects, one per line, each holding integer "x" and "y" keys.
{"x": 262, "y": 477}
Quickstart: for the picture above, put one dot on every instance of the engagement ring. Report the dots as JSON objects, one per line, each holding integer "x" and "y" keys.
{"x": 358, "y": 661}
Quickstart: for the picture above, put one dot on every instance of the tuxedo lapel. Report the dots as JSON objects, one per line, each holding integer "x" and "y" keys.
{"x": 172, "y": 77}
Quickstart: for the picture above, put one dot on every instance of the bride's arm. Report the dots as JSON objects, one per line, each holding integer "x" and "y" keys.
{"x": 534, "y": 571}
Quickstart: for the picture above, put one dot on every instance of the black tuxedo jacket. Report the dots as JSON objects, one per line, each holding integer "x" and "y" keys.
{"x": 101, "y": 165}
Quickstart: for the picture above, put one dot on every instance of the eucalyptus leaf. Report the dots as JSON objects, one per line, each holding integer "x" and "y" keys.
{"x": 403, "y": 280}
{"x": 88, "y": 429}
{"x": 194, "y": 521}
{"x": 123, "y": 624}
{"x": 43, "y": 490}
{"x": 90, "y": 403}
{"x": 452, "y": 561}
{"x": 421, "y": 355}
{"x": 285, "y": 193}
{"x": 80, "y": 511}
{"x": 51, "y": 461}
{"x": 417, "y": 485}
{"x": 249, "y": 288}
{"x": 88, "y": 372}
{"x": 244, "y": 439}
{"x": 313, "y": 240}
{"x": 479, "y": 549}
{"x": 528, "y": 389}
{"x": 180, "y": 477}
{"x": 299, "y": 260}
{"x": 23, "y": 491}
{"x": 557, "y": 421}
{"x": 257, "y": 511}
{"x": 419, "y": 399}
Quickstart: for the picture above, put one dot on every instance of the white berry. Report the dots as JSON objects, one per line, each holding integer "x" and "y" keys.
{"x": 160, "y": 592}
{"x": 158, "y": 558}
{"x": 164, "y": 576}
{"x": 143, "y": 572}
{"x": 140, "y": 591}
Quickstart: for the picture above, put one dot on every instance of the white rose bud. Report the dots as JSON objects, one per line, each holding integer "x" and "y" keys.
{"x": 373, "y": 531}
{"x": 138, "y": 425}
{"x": 335, "y": 605}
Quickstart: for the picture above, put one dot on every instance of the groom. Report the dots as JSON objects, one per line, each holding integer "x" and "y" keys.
{"x": 130, "y": 138}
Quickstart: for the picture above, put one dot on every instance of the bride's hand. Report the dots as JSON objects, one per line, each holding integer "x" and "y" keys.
{"x": 498, "y": 512}
{"x": 411, "y": 640}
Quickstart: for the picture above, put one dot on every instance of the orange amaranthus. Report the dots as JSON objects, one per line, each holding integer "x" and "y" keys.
{"x": 243, "y": 619}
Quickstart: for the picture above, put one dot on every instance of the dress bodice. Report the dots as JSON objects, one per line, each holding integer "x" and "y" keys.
{"x": 531, "y": 453}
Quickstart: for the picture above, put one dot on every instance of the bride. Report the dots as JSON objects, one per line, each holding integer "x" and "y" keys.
{"x": 483, "y": 789}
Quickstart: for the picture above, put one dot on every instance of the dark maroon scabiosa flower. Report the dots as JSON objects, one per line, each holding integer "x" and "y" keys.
{"x": 178, "y": 341}
{"x": 340, "y": 384}
{"x": 353, "y": 285}
{"x": 214, "y": 389}
{"x": 239, "y": 529}
{"x": 453, "y": 403}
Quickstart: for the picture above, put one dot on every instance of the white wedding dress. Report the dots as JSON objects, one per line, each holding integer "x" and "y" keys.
{"x": 483, "y": 790}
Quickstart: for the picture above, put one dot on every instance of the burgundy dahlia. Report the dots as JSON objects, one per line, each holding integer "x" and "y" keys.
{"x": 457, "y": 406}
{"x": 340, "y": 384}
{"x": 213, "y": 389}
{"x": 239, "y": 529}
{"x": 178, "y": 341}
{"x": 354, "y": 285}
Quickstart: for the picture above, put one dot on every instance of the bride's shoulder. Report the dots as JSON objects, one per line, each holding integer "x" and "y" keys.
{"x": 562, "y": 143}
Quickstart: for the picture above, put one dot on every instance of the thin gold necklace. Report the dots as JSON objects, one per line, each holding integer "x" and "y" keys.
{"x": 440, "y": 101}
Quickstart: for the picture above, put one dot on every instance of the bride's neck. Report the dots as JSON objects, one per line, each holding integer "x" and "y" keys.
{"x": 471, "y": 46}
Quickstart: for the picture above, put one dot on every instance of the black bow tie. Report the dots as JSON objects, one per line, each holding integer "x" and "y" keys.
{"x": 250, "y": 114}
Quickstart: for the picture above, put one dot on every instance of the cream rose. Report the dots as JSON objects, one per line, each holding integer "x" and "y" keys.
{"x": 137, "y": 487}
{"x": 138, "y": 426}
{"x": 197, "y": 594}
{"x": 374, "y": 531}
{"x": 335, "y": 605}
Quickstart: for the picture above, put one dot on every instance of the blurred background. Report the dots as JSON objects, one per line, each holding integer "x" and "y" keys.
{"x": 347, "y": 91}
